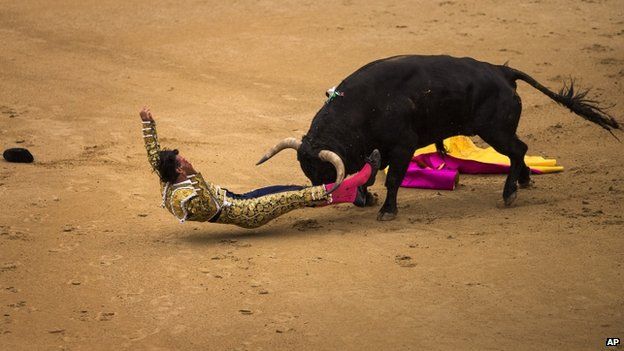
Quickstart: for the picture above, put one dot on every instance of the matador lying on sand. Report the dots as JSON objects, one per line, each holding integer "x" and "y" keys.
{"x": 189, "y": 197}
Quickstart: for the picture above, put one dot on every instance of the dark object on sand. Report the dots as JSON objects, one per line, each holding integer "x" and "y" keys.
{"x": 18, "y": 154}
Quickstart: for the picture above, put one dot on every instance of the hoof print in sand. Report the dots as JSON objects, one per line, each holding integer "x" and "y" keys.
{"x": 105, "y": 316}
{"x": 404, "y": 261}
{"x": 306, "y": 224}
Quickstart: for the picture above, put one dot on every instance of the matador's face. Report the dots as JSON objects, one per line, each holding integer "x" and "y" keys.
{"x": 184, "y": 166}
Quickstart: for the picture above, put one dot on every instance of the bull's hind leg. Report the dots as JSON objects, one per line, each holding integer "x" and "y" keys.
{"x": 399, "y": 161}
{"x": 525, "y": 172}
{"x": 515, "y": 149}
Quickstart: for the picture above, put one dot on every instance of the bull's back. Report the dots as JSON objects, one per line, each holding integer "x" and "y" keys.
{"x": 423, "y": 97}
{"x": 415, "y": 71}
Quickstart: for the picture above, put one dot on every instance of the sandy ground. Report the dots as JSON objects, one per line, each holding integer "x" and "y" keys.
{"x": 89, "y": 261}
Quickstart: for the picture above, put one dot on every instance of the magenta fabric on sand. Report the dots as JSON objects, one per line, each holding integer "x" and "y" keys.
{"x": 431, "y": 171}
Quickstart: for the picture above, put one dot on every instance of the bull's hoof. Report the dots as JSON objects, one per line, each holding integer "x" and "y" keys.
{"x": 386, "y": 216}
{"x": 360, "y": 197}
{"x": 526, "y": 185}
{"x": 511, "y": 198}
{"x": 371, "y": 199}
{"x": 365, "y": 198}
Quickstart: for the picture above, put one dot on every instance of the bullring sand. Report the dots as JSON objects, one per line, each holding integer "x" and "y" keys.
{"x": 89, "y": 261}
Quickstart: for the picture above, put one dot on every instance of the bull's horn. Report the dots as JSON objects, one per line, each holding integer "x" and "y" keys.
{"x": 288, "y": 143}
{"x": 334, "y": 159}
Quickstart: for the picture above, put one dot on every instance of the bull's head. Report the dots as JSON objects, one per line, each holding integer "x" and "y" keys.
{"x": 320, "y": 167}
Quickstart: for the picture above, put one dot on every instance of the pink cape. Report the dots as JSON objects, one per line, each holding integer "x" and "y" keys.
{"x": 431, "y": 171}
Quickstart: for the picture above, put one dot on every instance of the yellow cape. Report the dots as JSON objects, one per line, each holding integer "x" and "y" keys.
{"x": 463, "y": 148}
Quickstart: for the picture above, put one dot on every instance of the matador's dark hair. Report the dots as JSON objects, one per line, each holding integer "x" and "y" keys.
{"x": 167, "y": 165}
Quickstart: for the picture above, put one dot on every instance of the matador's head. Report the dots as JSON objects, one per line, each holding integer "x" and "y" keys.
{"x": 173, "y": 167}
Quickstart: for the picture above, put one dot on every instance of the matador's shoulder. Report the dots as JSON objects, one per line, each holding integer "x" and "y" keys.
{"x": 177, "y": 201}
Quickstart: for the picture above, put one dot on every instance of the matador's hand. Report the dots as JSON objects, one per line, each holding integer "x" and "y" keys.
{"x": 146, "y": 114}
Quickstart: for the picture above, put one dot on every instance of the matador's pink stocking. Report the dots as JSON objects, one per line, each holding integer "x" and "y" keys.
{"x": 347, "y": 191}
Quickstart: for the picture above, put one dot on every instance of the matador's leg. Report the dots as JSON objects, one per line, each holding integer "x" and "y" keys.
{"x": 252, "y": 213}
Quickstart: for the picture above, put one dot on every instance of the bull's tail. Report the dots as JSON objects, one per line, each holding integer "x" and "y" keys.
{"x": 576, "y": 101}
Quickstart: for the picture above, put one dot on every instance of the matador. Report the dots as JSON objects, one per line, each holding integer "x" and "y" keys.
{"x": 187, "y": 196}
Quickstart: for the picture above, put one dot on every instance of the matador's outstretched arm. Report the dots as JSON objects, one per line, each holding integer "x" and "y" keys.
{"x": 151, "y": 138}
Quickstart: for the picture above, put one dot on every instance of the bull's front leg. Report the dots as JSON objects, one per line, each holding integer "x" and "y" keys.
{"x": 399, "y": 161}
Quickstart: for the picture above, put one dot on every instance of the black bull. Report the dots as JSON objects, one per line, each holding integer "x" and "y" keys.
{"x": 399, "y": 104}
